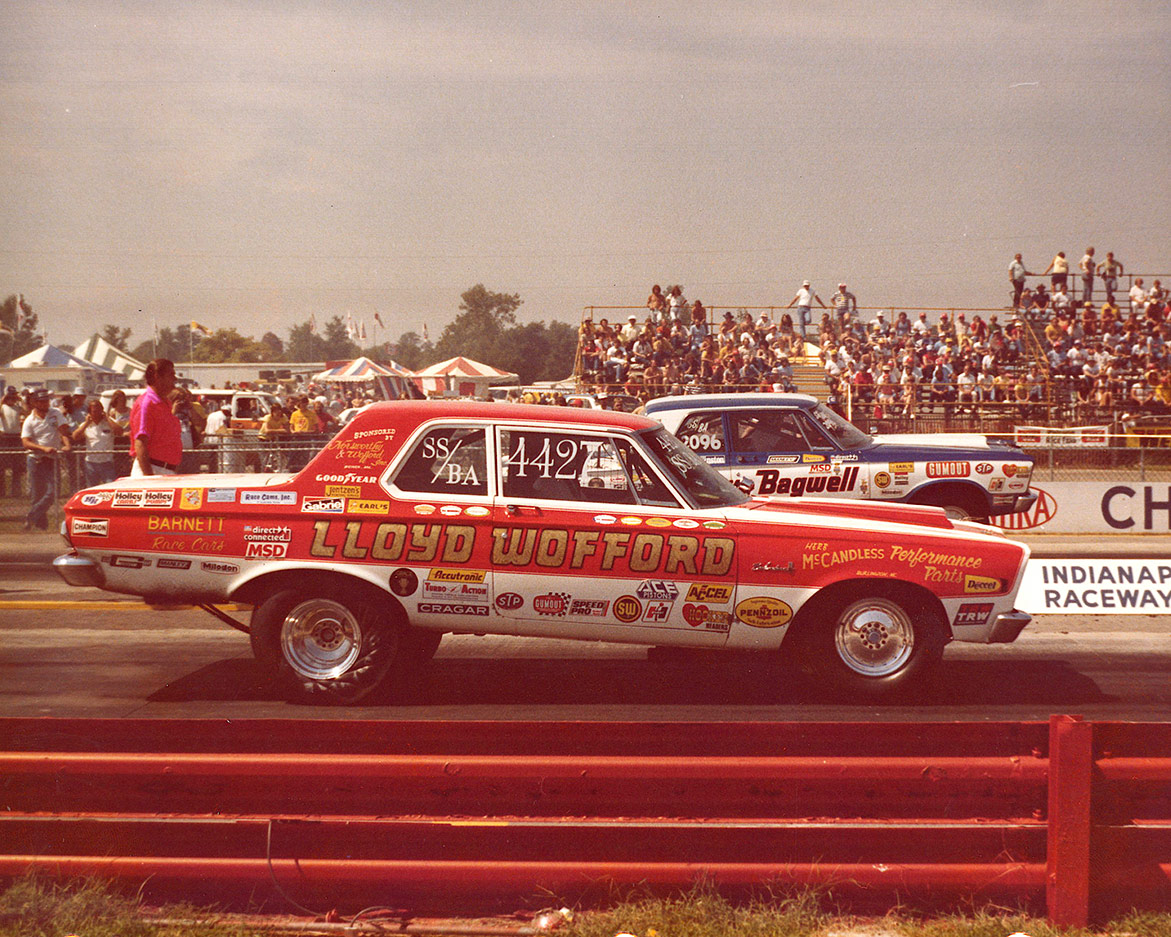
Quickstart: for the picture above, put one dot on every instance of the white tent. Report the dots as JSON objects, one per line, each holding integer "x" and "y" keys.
{"x": 99, "y": 351}
{"x": 59, "y": 371}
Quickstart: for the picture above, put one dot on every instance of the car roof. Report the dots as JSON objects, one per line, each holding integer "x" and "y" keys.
{"x": 728, "y": 401}
{"x": 422, "y": 410}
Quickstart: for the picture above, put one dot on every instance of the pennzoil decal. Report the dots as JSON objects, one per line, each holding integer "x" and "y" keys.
{"x": 763, "y": 611}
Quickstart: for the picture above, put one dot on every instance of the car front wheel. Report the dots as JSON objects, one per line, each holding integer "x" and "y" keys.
{"x": 324, "y": 649}
{"x": 879, "y": 644}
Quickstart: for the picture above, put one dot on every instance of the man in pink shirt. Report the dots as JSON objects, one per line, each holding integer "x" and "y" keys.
{"x": 155, "y": 441}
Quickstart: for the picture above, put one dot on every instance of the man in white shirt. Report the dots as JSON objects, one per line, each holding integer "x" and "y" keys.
{"x": 44, "y": 434}
{"x": 804, "y": 303}
{"x": 1138, "y": 297}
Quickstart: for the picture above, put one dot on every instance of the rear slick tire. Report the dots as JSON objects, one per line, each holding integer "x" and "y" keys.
{"x": 324, "y": 650}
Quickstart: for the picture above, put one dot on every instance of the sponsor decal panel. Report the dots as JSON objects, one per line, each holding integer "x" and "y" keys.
{"x": 358, "y": 506}
{"x": 265, "y": 550}
{"x": 91, "y": 499}
{"x": 589, "y": 608}
{"x": 979, "y": 584}
{"x": 322, "y": 505}
{"x": 657, "y": 589}
{"x": 555, "y": 604}
{"x": 763, "y": 611}
{"x": 949, "y": 469}
{"x": 167, "y": 562}
{"x": 718, "y": 592}
{"x": 190, "y": 499}
{"x": 509, "y": 601}
{"x": 97, "y": 527}
{"x": 214, "y": 566}
{"x": 451, "y": 608}
{"x": 657, "y": 612}
{"x": 273, "y": 534}
{"x": 973, "y": 613}
{"x": 221, "y": 495}
{"x": 343, "y": 491}
{"x": 627, "y": 609}
{"x": 710, "y": 619}
{"x": 268, "y": 497}
{"x": 124, "y": 561}
{"x": 772, "y": 482}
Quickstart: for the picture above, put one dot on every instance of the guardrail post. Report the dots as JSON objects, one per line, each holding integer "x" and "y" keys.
{"x": 1071, "y": 764}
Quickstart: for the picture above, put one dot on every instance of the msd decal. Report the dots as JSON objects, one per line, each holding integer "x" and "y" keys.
{"x": 265, "y": 550}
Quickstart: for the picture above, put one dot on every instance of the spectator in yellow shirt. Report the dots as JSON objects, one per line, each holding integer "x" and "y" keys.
{"x": 303, "y": 419}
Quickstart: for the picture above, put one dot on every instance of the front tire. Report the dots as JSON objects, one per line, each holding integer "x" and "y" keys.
{"x": 322, "y": 649}
{"x": 879, "y": 644}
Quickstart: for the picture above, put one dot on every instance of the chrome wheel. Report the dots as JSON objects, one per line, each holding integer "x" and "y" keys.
{"x": 874, "y": 637}
{"x": 320, "y": 639}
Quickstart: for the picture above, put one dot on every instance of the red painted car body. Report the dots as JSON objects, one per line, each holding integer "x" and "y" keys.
{"x": 423, "y": 517}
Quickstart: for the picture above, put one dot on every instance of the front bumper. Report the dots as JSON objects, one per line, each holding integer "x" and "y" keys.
{"x": 1008, "y": 627}
{"x": 78, "y": 571}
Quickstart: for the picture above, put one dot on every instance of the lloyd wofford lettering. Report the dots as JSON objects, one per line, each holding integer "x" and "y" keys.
{"x": 667, "y": 554}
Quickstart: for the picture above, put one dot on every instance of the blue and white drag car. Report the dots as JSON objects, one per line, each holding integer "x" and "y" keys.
{"x": 790, "y": 445}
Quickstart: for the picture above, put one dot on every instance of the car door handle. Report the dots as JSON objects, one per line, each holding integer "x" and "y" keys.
{"x": 518, "y": 509}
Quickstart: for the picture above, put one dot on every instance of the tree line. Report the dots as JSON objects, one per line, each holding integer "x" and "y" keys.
{"x": 485, "y": 329}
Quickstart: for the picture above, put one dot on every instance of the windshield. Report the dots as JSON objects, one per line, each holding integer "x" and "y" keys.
{"x": 706, "y": 487}
{"x": 844, "y": 433}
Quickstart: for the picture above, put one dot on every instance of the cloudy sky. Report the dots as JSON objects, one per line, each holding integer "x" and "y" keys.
{"x": 247, "y": 163}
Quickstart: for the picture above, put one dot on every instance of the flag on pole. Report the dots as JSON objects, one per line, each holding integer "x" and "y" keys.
{"x": 351, "y": 332}
{"x": 312, "y": 324}
{"x": 378, "y": 319}
{"x": 21, "y": 311}
{"x": 362, "y": 330}
{"x": 425, "y": 338}
{"x": 198, "y": 329}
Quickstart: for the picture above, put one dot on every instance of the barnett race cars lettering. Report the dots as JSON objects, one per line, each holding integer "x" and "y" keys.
{"x": 773, "y": 483}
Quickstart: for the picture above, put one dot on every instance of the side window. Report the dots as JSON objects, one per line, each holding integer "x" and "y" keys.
{"x": 563, "y": 467}
{"x": 817, "y": 433}
{"x": 648, "y": 487}
{"x": 768, "y": 431}
{"x": 703, "y": 432}
{"x": 447, "y": 460}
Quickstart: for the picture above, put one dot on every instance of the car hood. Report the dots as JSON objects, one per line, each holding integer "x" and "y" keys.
{"x": 824, "y": 510}
{"x": 911, "y": 447}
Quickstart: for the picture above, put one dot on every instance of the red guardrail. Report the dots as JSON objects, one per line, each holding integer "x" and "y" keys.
{"x": 458, "y": 815}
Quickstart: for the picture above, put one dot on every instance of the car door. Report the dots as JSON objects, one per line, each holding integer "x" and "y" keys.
{"x": 592, "y": 541}
{"x": 785, "y": 454}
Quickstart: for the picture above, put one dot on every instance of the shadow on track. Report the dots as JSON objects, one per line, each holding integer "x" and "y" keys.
{"x": 686, "y": 679}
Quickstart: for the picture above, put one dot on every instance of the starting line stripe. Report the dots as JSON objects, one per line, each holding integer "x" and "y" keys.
{"x": 104, "y": 606}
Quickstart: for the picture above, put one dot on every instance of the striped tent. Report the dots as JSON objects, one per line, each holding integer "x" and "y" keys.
{"x": 392, "y": 381}
{"x": 99, "y": 351}
{"x": 462, "y": 377}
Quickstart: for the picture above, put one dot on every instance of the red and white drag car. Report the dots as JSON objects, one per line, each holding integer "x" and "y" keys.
{"x": 422, "y": 517}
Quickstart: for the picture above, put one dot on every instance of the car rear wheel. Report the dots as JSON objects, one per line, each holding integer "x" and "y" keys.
{"x": 878, "y": 644}
{"x": 323, "y": 649}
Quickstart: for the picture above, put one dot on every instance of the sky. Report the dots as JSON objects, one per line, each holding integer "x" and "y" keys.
{"x": 248, "y": 164}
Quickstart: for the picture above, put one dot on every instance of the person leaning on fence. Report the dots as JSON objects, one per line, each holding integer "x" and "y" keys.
{"x": 156, "y": 441}
{"x": 44, "y": 434}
